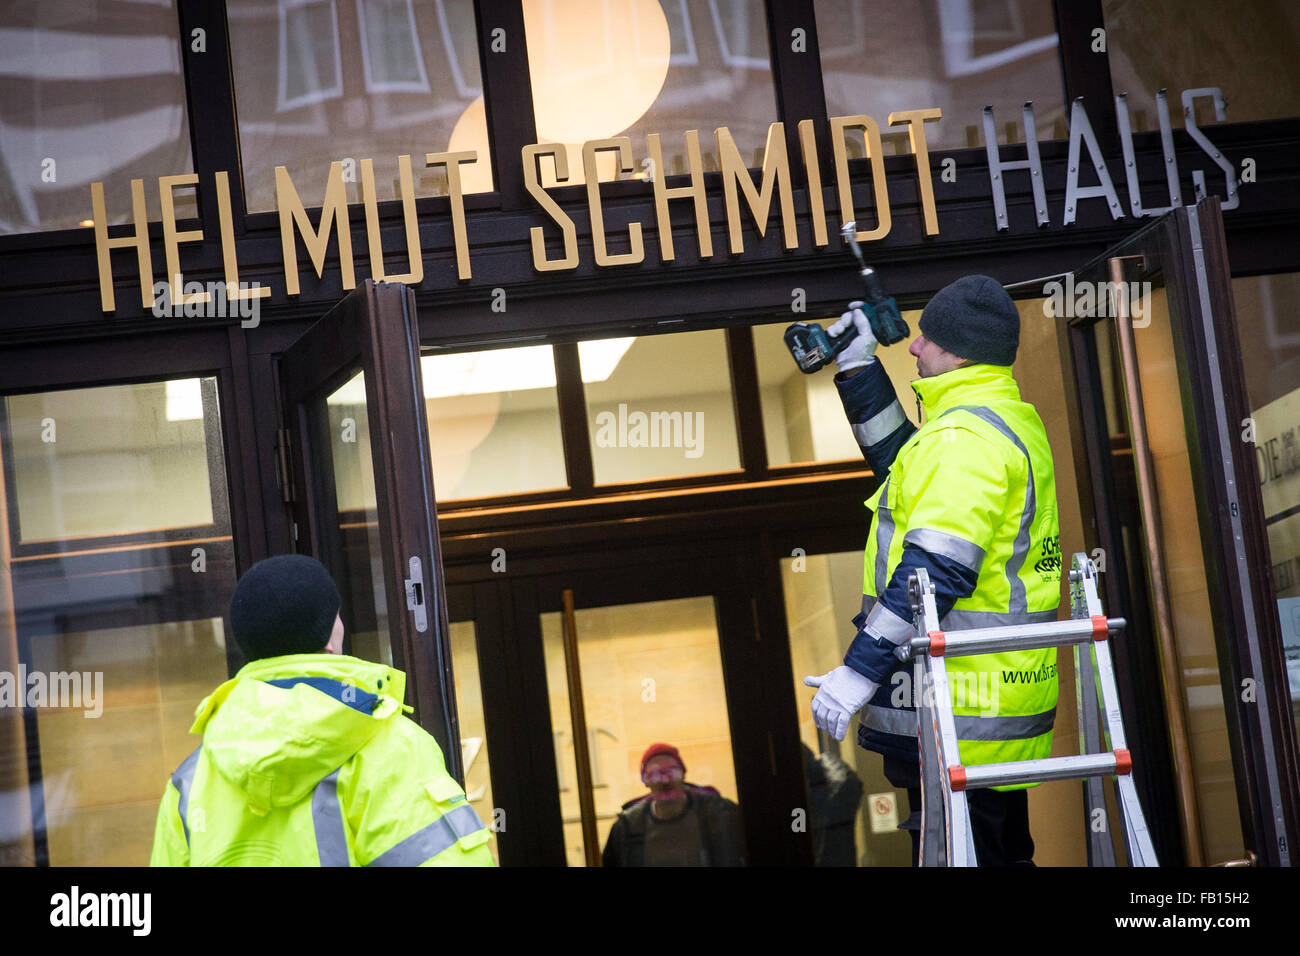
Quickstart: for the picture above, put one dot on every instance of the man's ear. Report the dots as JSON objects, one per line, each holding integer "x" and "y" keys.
{"x": 335, "y": 644}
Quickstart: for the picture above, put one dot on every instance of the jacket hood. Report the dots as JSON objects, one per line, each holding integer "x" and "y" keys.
{"x": 282, "y": 724}
{"x": 969, "y": 385}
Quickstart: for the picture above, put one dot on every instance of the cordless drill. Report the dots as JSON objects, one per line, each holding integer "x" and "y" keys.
{"x": 813, "y": 349}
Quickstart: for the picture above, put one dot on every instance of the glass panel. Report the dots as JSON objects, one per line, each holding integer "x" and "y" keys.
{"x": 473, "y": 732}
{"x": 645, "y": 423}
{"x": 1056, "y": 809}
{"x": 958, "y": 55}
{"x": 324, "y": 80}
{"x": 650, "y": 672}
{"x": 102, "y": 777}
{"x": 1267, "y": 316}
{"x": 803, "y": 418}
{"x": 1198, "y": 681}
{"x": 115, "y": 460}
{"x": 494, "y": 422}
{"x": 631, "y": 67}
{"x": 822, "y": 594}
{"x": 91, "y": 92}
{"x": 105, "y": 652}
{"x": 357, "y": 523}
{"x": 1248, "y": 50}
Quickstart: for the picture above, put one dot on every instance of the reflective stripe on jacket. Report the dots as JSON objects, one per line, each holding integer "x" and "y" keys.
{"x": 971, "y": 497}
{"x": 308, "y": 760}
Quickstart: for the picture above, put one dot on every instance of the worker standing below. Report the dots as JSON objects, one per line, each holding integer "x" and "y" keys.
{"x": 971, "y": 497}
{"x": 307, "y": 758}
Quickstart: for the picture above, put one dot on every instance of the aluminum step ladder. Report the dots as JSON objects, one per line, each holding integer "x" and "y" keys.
{"x": 945, "y": 815}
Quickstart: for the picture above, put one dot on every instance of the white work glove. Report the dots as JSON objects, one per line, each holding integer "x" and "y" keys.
{"x": 862, "y": 350}
{"x": 841, "y": 694}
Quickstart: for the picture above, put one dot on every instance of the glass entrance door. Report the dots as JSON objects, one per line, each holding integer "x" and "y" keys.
{"x": 366, "y": 508}
{"x": 1166, "y": 448}
{"x": 648, "y": 672}
{"x": 578, "y": 672}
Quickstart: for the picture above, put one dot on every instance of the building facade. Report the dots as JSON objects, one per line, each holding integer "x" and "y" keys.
{"x": 482, "y": 304}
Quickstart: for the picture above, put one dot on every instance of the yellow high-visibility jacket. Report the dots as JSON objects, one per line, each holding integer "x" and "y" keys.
{"x": 971, "y": 497}
{"x": 308, "y": 760}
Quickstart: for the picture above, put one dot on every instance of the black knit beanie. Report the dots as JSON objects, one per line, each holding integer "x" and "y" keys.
{"x": 974, "y": 318}
{"x": 284, "y": 605}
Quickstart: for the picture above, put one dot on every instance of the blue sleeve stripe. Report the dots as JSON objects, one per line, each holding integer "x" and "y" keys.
{"x": 871, "y": 657}
{"x": 952, "y": 580}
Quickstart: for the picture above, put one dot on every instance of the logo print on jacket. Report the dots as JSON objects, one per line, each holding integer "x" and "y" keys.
{"x": 1049, "y": 565}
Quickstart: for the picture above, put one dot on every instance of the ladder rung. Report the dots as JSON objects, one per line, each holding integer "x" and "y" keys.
{"x": 1013, "y": 637}
{"x": 1049, "y": 768}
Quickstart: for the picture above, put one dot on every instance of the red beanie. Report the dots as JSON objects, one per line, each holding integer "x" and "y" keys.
{"x": 660, "y": 750}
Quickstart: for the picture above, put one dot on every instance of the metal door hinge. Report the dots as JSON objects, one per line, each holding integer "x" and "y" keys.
{"x": 415, "y": 594}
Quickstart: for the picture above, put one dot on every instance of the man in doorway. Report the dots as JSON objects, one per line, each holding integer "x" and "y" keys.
{"x": 676, "y": 823}
{"x": 306, "y": 757}
{"x": 971, "y": 497}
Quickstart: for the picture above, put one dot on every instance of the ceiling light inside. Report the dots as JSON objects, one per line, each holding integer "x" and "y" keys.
{"x": 184, "y": 400}
{"x": 499, "y": 370}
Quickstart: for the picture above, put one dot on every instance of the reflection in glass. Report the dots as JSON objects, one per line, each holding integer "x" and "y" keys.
{"x": 357, "y": 517}
{"x": 659, "y": 406}
{"x": 1247, "y": 50}
{"x": 91, "y": 92}
{"x": 113, "y": 460}
{"x": 634, "y": 67}
{"x": 324, "y": 80}
{"x": 494, "y": 422}
{"x": 803, "y": 417}
{"x": 958, "y": 55}
{"x": 1268, "y": 317}
{"x": 650, "y": 672}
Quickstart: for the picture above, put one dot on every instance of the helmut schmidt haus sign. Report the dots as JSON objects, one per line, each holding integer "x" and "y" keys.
{"x": 767, "y": 196}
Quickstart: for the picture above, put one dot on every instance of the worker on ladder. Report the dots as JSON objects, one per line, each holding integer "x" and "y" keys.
{"x": 971, "y": 497}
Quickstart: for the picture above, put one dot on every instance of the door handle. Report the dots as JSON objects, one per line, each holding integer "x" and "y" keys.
{"x": 415, "y": 594}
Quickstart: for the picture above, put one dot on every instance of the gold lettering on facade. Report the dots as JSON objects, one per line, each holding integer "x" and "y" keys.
{"x": 456, "y": 193}
{"x": 871, "y": 140}
{"x": 139, "y": 240}
{"x": 535, "y": 189}
{"x": 603, "y": 258}
{"x": 172, "y": 239}
{"x": 409, "y": 218}
{"x": 774, "y": 182}
{"x": 694, "y": 191}
{"x": 776, "y": 176}
{"x": 230, "y": 265}
{"x": 916, "y": 120}
{"x": 816, "y": 204}
{"x": 292, "y": 213}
